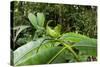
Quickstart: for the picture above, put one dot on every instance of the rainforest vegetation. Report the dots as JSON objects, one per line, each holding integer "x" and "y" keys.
{"x": 49, "y": 33}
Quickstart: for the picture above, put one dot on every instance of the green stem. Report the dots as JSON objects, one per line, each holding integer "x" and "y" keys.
{"x": 69, "y": 48}
{"x": 56, "y": 55}
{"x": 72, "y": 51}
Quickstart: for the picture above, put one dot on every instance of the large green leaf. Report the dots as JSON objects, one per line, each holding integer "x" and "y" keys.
{"x": 73, "y": 37}
{"x": 33, "y": 20}
{"x": 42, "y": 57}
{"x": 19, "y": 30}
{"x": 40, "y": 19}
{"x": 87, "y": 47}
{"x": 25, "y": 51}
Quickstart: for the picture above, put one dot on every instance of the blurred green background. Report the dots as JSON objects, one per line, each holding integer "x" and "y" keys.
{"x": 73, "y": 18}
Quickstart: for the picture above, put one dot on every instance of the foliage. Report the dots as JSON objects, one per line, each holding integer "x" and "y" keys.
{"x": 43, "y": 33}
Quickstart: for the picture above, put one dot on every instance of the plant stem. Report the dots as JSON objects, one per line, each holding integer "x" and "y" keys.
{"x": 69, "y": 48}
{"x": 56, "y": 55}
{"x": 72, "y": 51}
